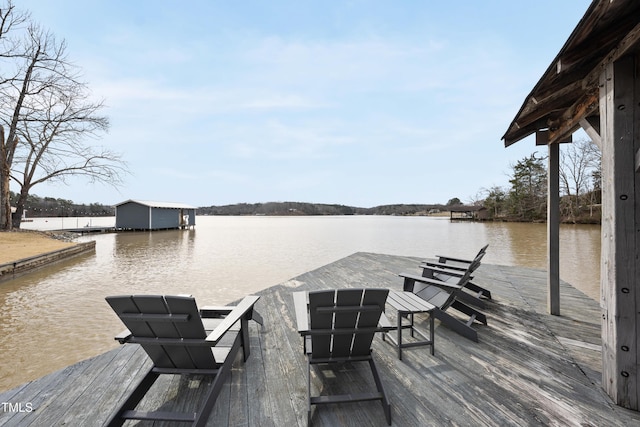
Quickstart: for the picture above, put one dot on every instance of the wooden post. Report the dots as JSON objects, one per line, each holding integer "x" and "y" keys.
{"x": 553, "y": 230}
{"x": 620, "y": 281}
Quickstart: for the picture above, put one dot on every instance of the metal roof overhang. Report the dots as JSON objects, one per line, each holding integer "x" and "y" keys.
{"x": 568, "y": 91}
{"x": 152, "y": 204}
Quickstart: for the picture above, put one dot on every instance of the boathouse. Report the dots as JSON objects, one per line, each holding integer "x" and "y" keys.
{"x": 146, "y": 215}
{"x": 594, "y": 84}
{"x": 471, "y": 212}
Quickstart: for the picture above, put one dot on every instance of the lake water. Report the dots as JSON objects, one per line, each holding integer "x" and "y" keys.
{"x": 57, "y": 316}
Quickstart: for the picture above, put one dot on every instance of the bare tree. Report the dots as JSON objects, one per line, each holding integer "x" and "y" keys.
{"x": 54, "y": 148}
{"x": 578, "y": 161}
{"x": 49, "y": 115}
{"x": 10, "y": 22}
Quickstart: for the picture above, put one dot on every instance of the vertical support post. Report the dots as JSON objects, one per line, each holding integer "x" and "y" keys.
{"x": 619, "y": 281}
{"x": 553, "y": 230}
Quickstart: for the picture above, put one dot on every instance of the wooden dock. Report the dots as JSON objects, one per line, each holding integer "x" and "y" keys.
{"x": 88, "y": 230}
{"x": 529, "y": 368}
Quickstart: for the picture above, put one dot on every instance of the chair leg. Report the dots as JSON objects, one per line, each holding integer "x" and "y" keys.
{"x": 308, "y": 392}
{"x": 482, "y": 291}
{"x": 408, "y": 284}
{"x": 223, "y": 373}
{"x": 134, "y": 398}
{"x": 456, "y": 325}
{"x": 385, "y": 402}
{"x": 470, "y": 299}
{"x": 256, "y": 317}
{"x": 244, "y": 332}
{"x": 380, "y": 395}
{"x": 463, "y": 308}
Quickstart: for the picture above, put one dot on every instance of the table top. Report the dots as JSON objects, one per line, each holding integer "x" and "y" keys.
{"x": 408, "y": 302}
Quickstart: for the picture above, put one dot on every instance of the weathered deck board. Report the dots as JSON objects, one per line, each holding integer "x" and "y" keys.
{"x": 529, "y": 368}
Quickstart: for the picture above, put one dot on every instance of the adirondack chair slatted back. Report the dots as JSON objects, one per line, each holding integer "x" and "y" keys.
{"x": 435, "y": 295}
{"x": 343, "y": 314}
{"x": 157, "y": 316}
{"x": 475, "y": 263}
{"x": 481, "y": 253}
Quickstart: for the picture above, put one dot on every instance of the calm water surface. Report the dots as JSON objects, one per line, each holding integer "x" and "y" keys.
{"x": 57, "y": 316}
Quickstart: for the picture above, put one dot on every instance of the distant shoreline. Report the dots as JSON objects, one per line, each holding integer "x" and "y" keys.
{"x": 591, "y": 216}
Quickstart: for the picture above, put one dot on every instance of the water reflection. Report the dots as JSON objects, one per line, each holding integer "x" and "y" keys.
{"x": 57, "y": 316}
{"x": 524, "y": 244}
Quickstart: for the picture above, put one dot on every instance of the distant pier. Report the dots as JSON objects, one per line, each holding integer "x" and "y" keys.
{"x": 88, "y": 230}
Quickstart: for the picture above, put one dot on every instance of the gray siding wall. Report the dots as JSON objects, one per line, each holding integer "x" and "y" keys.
{"x": 165, "y": 218}
{"x": 132, "y": 215}
{"x": 135, "y": 216}
{"x": 192, "y": 216}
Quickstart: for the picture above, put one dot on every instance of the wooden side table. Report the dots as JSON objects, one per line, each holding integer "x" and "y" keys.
{"x": 408, "y": 304}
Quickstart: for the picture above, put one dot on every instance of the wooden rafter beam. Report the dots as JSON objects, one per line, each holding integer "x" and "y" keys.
{"x": 569, "y": 121}
{"x": 577, "y": 113}
{"x": 592, "y": 128}
{"x": 627, "y": 43}
{"x": 576, "y": 71}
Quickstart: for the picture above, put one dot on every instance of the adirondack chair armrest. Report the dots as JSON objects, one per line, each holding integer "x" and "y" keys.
{"x": 237, "y": 313}
{"x": 429, "y": 281}
{"x": 384, "y": 324}
{"x": 215, "y": 311}
{"x": 123, "y": 336}
{"x": 445, "y": 271}
{"x": 443, "y": 265}
{"x": 302, "y": 315}
{"x": 444, "y": 258}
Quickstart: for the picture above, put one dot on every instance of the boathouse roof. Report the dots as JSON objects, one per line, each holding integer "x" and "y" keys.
{"x": 152, "y": 204}
{"x": 568, "y": 92}
{"x": 466, "y": 208}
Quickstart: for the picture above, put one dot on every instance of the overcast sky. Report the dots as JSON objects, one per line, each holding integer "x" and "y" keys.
{"x": 361, "y": 103}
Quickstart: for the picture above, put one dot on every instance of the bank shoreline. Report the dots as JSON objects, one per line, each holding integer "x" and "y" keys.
{"x": 25, "y": 252}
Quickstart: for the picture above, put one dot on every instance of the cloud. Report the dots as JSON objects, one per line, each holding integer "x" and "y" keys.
{"x": 277, "y": 101}
{"x": 349, "y": 102}
{"x": 361, "y": 64}
{"x": 274, "y": 139}
{"x": 174, "y": 173}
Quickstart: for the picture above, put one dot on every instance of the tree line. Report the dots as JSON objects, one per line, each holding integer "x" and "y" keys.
{"x": 299, "y": 208}
{"x": 526, "y": 197}
{"x": 36, "y": 207}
